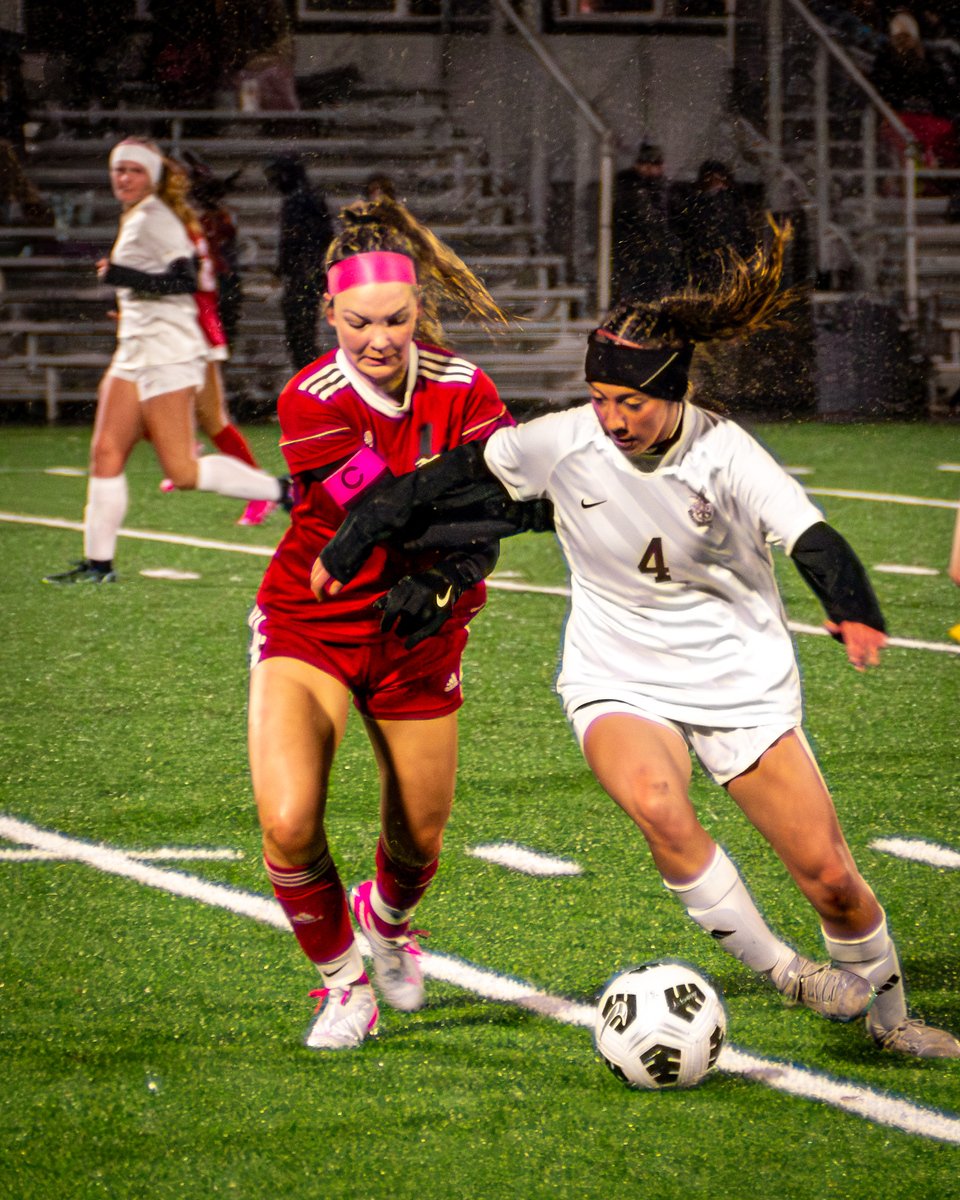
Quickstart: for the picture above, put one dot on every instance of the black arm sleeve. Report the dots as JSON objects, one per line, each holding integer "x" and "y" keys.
{"x": 836, "y": 576}
{"x": 455, "y": 488}
{"x": 179, "y": 279}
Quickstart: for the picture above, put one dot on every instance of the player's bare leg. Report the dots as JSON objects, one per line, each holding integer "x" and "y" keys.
{"x": 785, "y": 797}
{"x": 418, "y": 763}
{"x": 645, "y": 767}
{"x": 297, "y": 717}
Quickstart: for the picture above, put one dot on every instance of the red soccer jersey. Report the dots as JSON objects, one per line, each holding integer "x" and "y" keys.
{"x": 327, "y": 413}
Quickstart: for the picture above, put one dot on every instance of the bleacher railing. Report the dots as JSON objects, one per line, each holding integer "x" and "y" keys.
{"x": 604, "y": 145}
{"x": 839, "y": 186}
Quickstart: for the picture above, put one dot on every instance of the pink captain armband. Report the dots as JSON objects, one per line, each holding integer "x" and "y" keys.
{"x": 355, "y": 476}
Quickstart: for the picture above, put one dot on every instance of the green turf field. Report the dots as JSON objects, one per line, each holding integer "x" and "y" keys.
{"x": 152, "y": 1010}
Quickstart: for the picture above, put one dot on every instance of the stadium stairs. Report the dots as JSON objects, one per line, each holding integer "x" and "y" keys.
{"x": 56, "y": 334}
{"x": 866, "y": 228}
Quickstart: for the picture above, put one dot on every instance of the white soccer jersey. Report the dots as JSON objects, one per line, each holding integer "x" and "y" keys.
{"x": 674, "y": 597}
{"x": 156, "y": 330}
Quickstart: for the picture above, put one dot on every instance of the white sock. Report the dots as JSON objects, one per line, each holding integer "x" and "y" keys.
{"x": 345, "y": 969}
{"x": 103, "y": 516}
{"x": 874, "y": 957}
{"x": 719, "y": 903}
{"x": 392, "y": 916}
{"x": 230, "y": 477}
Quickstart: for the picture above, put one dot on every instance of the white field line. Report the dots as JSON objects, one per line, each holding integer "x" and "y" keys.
{"x": 918, "y": 850}
{"x": 878, "y": 1107}
{"x": 529, "y": 862}
{"x": 505, "y": 585}
{"x": 170, "y": 854}
{"x": 883, "y": 497}
{"x": 145, "y": 535}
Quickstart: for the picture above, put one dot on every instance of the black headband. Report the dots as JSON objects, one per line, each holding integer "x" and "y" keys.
{"x": 657, "y": 371}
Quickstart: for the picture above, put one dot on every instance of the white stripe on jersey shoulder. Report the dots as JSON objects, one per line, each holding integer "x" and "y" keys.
{"x": 325, "y": 382}
{"x": 444, "y": 368}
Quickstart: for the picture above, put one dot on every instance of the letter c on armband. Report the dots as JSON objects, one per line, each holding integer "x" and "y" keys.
{"x": 354, "y": 477}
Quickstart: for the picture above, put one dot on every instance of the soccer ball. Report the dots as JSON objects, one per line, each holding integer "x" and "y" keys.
{"x": 660, "y": 1025}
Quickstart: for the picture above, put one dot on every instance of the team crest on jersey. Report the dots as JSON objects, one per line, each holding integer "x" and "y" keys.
{"x": 701, "y": 510}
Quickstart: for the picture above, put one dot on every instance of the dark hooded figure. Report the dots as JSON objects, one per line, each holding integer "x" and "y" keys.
{"x": 716, "y": 224}
{"x": 306, "y": 230}
{"x": 647, "y": 254}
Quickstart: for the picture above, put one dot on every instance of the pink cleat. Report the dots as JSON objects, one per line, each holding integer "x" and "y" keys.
{"x": 167, "y": 485}
{"x": 396, "y": 960}
{"x": 257, "y": 512}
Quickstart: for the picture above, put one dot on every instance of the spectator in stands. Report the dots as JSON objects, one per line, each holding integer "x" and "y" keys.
{"x": 715, "y": 222}
{"x": 305, "y": 232}
{"x": 386, "y": 398}
{"x": 914, "y": 84}
{"x": 377, "y": 185}
{"x": 258, "y": 52}
{"x": 150, "y": 386}
{"x": 939, "y": 22}
{"x": 859, "y": 23}
{"x": 647, "y": 254}
{"x": 20, "y": 202}
{"x": 186, "y": 66}
{"x": 13, "y": 93}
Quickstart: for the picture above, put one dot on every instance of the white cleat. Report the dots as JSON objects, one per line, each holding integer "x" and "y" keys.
{"x": 828, "y": 990}
{"x": 345, "y": 1017}
{"x": 396, "y": 961}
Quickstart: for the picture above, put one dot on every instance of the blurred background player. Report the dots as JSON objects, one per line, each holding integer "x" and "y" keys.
{"x": 213, "y": 415}
{"x": 388, "y": 397}
{"x": 150, "y": 386}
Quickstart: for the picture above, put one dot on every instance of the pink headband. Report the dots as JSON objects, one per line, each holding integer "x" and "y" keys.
{"x": 375, "y": 266}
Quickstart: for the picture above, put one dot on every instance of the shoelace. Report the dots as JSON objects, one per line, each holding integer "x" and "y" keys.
{"x": 320, "y": 994}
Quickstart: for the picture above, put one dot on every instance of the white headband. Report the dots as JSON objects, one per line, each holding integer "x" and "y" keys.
{"x": 150, "y": 160}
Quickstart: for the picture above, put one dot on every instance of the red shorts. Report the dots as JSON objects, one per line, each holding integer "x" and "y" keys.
{"x": 386, "y": 680}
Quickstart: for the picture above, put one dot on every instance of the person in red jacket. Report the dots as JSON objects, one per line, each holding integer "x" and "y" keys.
{"x": 387, "y": 398}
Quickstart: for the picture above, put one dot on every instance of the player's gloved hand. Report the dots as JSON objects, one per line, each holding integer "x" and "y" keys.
{"x": 418, "y": 605}
{"x": 382, "y": 510}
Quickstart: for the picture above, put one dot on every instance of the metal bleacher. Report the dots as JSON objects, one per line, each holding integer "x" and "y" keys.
{"x": 56, "y": 334}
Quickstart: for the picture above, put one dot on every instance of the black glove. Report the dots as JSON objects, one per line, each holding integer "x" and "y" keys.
{"x": 418, "y": 605}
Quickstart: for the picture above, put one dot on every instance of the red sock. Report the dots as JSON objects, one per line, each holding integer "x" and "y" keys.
{"x": 315, "y": 903}
{"x": 401, "y": 888}
{"x": 231, "y": 441}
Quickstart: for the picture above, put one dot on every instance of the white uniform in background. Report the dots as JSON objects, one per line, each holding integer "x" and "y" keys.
{"x": 154, "y": 330}
{"x": 675, "y": 609}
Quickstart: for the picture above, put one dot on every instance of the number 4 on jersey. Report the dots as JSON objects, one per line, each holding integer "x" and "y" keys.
{"x": 652, "y": 562}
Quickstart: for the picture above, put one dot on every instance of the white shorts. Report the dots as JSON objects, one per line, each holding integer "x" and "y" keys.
{"x": 723, "y": 753}
{"x": 157, "y": 381}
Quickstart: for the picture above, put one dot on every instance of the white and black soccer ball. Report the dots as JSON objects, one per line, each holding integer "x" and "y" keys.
{"x": 660, "y": 1025}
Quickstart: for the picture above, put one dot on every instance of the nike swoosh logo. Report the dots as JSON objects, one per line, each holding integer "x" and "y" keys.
{"x": 591, "y": 503}
{"x": 444, "y": 600}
